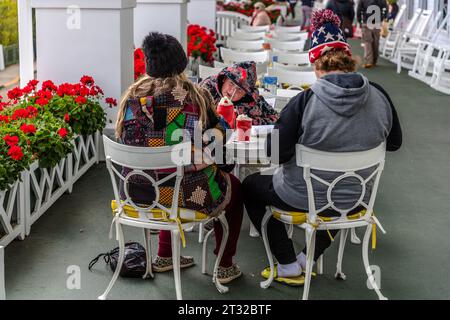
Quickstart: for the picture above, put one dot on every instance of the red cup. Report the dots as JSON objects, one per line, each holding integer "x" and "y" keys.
{"x": 228, "y": 113}
{"x": 244, "y": 129}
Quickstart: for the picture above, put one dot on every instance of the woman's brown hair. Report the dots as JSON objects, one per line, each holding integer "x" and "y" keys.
{"x": 152, "y": 86}
{"x": 336, "y": 60}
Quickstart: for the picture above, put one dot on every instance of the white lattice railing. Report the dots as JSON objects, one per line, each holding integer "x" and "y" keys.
{"x": 27, "y": 201}
{"x": 85, "y": 154}
{"x": 12, "y": 213}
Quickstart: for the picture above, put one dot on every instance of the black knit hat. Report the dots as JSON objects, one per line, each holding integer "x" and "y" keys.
{"x": 164, "y": 55}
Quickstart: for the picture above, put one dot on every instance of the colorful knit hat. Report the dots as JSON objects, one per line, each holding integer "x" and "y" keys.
{"x": 326, "y": 34}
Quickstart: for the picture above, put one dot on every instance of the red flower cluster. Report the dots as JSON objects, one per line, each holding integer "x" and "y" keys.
{"x": 111, "y": 101}
{"x": 11, "y": 140}
{"x": 16, "y": 153}
{"x": 62, "y": 132}
{"x": 139, "y": 63}
{"x": 201, "y": 42}
{"x": 28, "y": 128}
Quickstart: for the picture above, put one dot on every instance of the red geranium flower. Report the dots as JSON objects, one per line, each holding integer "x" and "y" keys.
{"x": 32, "y": 111}
{"x": 4, "y": 119}
{"x": 20, "y": 114}
{"x": 111, "y": 101}
{"x": 15, "y": 152}
{"x": 62, "y": 132}
{"x": 11, "y": 140}
{"x": 81, "y": 100}
{"x": 28, "y": 128}
{"x": 66, "y": 117}
{"x": 87, "y": 80}
{"x": 33, "y": 83}
{"x": 49, "y": 85}
{"x": 42, "y": 101}
{"x": 15, "y": 93}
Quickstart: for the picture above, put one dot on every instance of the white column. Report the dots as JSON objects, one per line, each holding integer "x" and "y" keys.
{"x": 85, "y": 37}
{"x": 2, "y": 275}
{"x": 202, "y": 12}
{"x": 166, "y": 16}
{"x": 26, "y": 54}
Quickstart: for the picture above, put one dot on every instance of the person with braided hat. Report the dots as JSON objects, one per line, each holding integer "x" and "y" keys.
{"x": 342, "y": 112}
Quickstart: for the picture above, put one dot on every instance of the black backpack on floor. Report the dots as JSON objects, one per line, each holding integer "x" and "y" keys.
{"x": 134, "y": 264}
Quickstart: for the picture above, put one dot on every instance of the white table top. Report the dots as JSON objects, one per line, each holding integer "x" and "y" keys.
{"x": 281, "y": 93}
{"x": 251, "y": 152}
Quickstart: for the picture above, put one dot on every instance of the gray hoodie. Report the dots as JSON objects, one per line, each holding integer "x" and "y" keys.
{"x": 343, "y": 113}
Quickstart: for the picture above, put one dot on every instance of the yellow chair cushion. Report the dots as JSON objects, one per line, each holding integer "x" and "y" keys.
{"x": 185, "y": 215}
{"x": 295, "y": 217}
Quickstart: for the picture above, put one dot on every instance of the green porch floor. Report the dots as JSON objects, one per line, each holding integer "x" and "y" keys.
{"x": 413, "y": 205}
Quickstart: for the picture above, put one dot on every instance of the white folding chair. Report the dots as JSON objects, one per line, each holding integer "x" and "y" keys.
{"x": 287, "y": 46}
{"x": 249, "y": 36}
{"x": 348, "y": 164}
{"x": 248, "y": 28}
{"x": 155, "y": 216}
{"x": 391, "y": 42}
{"x": 288, "y": 29}
{"x": 206, "y": 72}
{"x": 291, "y": 58}
{"x": 244, "y": 45}
{"x": 289, "y": 36}
{"x": 232, "y": 56}
{"x": 408, "y": 44}
{"x": 441, "y": 73}
{"x": 296, "y": 78}
{"x": 2, "y": 274}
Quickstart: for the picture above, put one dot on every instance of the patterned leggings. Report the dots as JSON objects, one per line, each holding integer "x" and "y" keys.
{"x": 233, "y": 213}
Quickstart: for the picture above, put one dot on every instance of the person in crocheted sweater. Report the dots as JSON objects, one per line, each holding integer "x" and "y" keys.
{"x": 238, "y": 82}
{"x": 151, "y": 111}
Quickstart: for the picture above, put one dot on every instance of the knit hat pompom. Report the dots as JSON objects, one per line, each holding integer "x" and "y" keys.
{"x": 164, "y": 55}
{"x": 321, "y": 17}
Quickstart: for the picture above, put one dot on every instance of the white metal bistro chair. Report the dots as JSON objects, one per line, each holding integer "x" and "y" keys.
{"x": 248, "y": 28}
{"x": 249, "y": 36}
{"x": 205, "y": 71}
{"x": 348, "y": 164}
{"x": 155, "y": 216}
{"x": 232, "y": 56}
{"x": 228, "y": 22}
{"x": 244, "y": 45}
{"x": 295, "y": 78}
{"x": 2, "y": 274}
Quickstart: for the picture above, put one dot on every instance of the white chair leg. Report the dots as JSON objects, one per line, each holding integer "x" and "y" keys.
{"x": 149, "y": 254}
{"x": 175, "y": 234}
{"x": 2, "y": 274}
{"x": 319, "y": 265}
{"x": 201, "y": 234}
{"x": 119, "y": 234}
{"x": 223, "y": 221}
{"x": 354, "y": 237}
{"x": 253, "y": 231}
{"x": 205, "y": 252}
{"x": 339, "y": 274}
{"x": 365, "y": 254}
{"x": 399, "y": 62}
{"x": 265, "y": 284}
{"x": 310, "y": 248}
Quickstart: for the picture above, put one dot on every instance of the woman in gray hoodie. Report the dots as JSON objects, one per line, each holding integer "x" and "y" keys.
{"x": 342, "y": 112}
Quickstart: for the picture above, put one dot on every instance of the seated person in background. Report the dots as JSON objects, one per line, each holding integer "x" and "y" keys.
{"x": 342, "y": 112}
{"x": 260, "y": 16}
{"x": 151, "y": 110}
{"x": 238, "y": 84}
